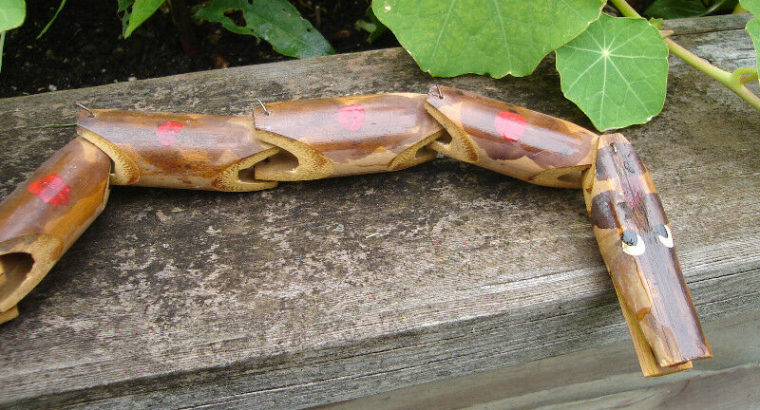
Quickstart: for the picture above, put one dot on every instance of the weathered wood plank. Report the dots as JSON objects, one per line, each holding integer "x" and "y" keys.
{"x": 329, "y": 290}
{"x": 598, "y": 379}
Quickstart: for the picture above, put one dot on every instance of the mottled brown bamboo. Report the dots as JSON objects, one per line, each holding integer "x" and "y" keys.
{"x": 43, "y": 217}
{"x": 9, "y": 314}
{"x": 637, "y": 246}
{"x": 511, "y": 140}
{"x": 332, "y": 137}
{"x": 190, "y": 151}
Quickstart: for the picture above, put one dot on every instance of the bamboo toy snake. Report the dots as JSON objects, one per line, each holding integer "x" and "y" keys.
{"x": 320, "y": 138}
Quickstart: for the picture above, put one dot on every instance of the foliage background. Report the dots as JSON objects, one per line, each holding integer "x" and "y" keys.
{"x": 85, "y": 45}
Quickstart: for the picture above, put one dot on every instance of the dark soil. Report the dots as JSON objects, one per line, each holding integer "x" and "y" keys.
{"x": 84, "y": 46}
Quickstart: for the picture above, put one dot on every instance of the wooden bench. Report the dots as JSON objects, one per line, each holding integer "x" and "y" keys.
{"x": 456, "y": 285}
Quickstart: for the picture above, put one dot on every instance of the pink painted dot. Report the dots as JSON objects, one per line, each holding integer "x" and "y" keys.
{"x": 167, "y": 131}
{"x": 351, "y": 117}
{"x": 51, "y": 189}
{"x": 510, "y": 125}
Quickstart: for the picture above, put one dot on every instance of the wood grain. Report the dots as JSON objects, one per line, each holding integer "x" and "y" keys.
{"x": 336, "y": 289}
{"x": 592, "y": 379}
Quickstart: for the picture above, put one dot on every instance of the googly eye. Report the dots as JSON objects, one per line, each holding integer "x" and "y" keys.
{"x": 632, "y": 243}
{"x": 664, "y": 235}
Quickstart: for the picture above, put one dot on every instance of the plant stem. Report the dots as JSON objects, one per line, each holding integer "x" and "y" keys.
{"x": 724, "y": 77}
{"x": 2, "y": 41}
{"x": 732, "y": 81}
{"x": 744, "y": 74}
{"x": 625, "y": 8}
{"x": 50, "y": 23}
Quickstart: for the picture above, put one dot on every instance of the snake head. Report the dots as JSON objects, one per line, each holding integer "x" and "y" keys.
{"x": 636, "y": 242}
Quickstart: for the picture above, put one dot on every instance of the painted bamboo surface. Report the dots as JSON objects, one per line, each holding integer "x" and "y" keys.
{"x": 43, "y": 217}
{"x": 353, "y": 135}
{"x": 637, "y": 246}
{"x": 190, "y": 151}
{"x": 515, "y": 141}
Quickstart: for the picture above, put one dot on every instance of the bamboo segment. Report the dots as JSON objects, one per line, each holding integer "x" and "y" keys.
{"x": 9, "y": 314}
{"x": 43, "y": 217}
{"x": 511, "y": 140}
{"x": 332, "y": 137}
{"x": 648, "y": 363}
{"x": 636, "y": 243}
{"x": 190, "y": 151}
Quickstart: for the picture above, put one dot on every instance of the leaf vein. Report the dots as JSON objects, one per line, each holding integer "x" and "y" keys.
{"x": 443, "y": 28}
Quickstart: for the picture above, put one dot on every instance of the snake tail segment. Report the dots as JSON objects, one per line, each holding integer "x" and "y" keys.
{"x": 43, "y": 217}
{"x": 186, "y": 151}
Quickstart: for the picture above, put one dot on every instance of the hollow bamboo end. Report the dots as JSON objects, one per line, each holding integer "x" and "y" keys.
{"x": 24, "y": 262}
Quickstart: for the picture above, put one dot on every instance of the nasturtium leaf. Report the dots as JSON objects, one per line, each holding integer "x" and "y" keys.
{"x": 141, "y": 11}
{"x": 12, "y": 14}
{"x": 753, "y": 6}
{"x": 753, "y": 26}
{"x": 496, "y": 37}
{"x": 616, "y": 71}
{"x": 275, "y": 21}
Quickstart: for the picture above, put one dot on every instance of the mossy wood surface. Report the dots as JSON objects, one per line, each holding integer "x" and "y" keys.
{"x": 322, "y": 291}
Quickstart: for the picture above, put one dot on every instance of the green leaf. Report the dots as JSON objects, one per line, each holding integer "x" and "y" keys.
{"x": 123, "y": 5}
{"x": 753, "y": 6}
{"x": 275, "y": 21}
{"x": 141, "y": 11}
{"x": 753, "y": 27}
{"x": 673, "y": 9}
{"x": 616, "y": 72}
{"x": 12, "y": 14}
{"x": 497, "y": 37}
{"x": 124, "y": 12}
{"x": 373, "y": 26}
